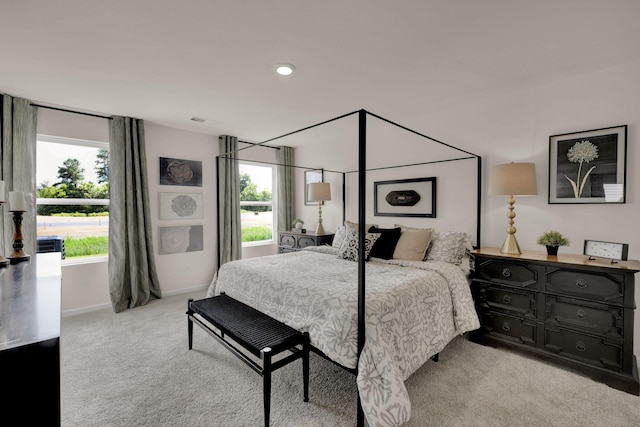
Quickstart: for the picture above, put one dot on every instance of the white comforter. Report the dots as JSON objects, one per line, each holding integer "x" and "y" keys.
{"x": 413, "y": 309}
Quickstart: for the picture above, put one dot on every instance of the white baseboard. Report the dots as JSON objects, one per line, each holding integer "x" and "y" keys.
{"x": 171, "y": 293}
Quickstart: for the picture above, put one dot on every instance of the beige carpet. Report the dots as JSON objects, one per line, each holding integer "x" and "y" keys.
{"x": 134, "y": 369}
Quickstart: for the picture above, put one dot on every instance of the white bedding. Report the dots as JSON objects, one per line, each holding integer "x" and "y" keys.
{"x": 413, "y": 309}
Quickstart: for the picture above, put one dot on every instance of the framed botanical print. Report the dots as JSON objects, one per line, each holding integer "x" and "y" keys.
{"x": 588, "y": 166}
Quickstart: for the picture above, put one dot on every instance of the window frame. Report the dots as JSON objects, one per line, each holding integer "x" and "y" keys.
{"x": 47, "y": 201}
{"x": 272, "y": 203}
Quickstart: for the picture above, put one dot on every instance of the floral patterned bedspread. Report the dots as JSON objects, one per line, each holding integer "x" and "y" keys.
{"x": 413, "y": 310}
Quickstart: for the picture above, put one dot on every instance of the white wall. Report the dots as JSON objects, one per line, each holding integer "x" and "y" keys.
{"x": 189, "y": 270}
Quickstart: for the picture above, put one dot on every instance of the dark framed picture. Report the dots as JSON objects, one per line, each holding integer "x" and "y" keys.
{"x": 311, "y": 177}
{"x": 588, "y": 166}
{"x": 405, "y": 197}
{"x": 180, "y": 172}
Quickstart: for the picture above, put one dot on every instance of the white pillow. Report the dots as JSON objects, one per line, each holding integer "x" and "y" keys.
{"x": 449, "y": 246}
{"x": 339, "y": 237}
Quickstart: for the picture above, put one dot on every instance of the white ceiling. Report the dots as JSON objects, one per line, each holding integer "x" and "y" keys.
{"x": 168, "y": 60}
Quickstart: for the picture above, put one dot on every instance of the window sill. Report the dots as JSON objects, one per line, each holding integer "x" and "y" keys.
{"x": 258, "y": 243}
{"x": 85, "y": 260}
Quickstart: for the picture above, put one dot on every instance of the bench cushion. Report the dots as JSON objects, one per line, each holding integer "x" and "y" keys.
{"x": 247, "y": 326}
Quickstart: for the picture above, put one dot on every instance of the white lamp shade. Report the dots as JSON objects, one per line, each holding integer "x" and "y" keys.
{"x": 513, "y": 179}
{"x": 319, "y": 191}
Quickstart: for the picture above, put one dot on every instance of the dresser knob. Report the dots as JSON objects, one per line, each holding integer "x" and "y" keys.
{"x": 581, "y": 314}
{"x": 580, "y": 346}
{"x": 506, "y": 272}
{"x": 506, "y": 327}
{"x": 581, "y": 283}
{"x": 506, "y": 299}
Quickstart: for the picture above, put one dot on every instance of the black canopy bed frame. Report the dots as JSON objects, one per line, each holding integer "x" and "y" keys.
{"x": 362, "y": 204}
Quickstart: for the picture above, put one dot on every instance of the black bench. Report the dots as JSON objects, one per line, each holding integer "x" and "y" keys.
{"x": 259, "y": 334}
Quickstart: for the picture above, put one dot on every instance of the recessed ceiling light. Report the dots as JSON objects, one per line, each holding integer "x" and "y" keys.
{"x": 285, "y": 69}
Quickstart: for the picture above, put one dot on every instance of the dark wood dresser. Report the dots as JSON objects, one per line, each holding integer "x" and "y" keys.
{"x": 565, "y": 309}
{"x": 30, "y": 338}
{"x": 289, "y": 241}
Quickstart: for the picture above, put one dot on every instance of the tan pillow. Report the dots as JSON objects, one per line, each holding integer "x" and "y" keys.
{"x": 413, "y": 245}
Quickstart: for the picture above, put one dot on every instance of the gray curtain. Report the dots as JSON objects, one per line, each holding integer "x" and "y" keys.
{"x": 229, "y": 230}
{"x": 133, "y": 279}
{"x": 18, "y": 137}
{"x": 286, "y": 188}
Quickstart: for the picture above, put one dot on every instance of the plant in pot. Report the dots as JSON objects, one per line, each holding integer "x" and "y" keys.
{"x": 552, "y": 240}
{"x": 297, "y": 224}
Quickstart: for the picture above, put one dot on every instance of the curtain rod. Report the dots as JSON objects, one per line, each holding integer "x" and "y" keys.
{"x": 71, "y": 111}
{"x": 259, "y": 144}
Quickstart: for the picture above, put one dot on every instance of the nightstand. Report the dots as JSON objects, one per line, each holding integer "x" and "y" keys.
{"x": 565, "y": 309}
{"x": 291, "y": 240}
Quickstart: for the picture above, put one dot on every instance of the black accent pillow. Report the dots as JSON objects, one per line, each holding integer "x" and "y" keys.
{"x": 386, "y": 244}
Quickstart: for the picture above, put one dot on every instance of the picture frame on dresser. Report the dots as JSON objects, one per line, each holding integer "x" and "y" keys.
{"x": 588, "y": 167}
{"x": 311, "y": 177}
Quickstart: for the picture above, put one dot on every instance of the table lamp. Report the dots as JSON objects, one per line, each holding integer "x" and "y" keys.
{"x": 510, "y": 180}
{"x": 319, "y": 192}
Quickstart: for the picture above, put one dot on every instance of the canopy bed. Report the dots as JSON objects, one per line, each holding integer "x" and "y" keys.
{"x": 412, "y": 278}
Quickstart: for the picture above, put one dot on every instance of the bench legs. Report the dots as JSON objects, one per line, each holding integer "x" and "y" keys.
{"x": 305, "y": 366}
{"x": 265, "y": 355}
{"x": 267, "y": 365}
{"x": 190, "y": 323}
{"x": 266, "y": 383}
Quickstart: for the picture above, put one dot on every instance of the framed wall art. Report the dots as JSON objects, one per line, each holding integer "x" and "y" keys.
{"x": 405, "y": 197}
{"x": 176, "y": 240}
{"x": 180, "y": 205}
{"x": 588, "y": 166}
{"x": 180, "y": 172}
{"x": 311, "y": 177}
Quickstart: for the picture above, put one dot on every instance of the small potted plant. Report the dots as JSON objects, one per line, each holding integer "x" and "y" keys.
{"x": 297, "y": 223}
{"x": 552, "y": 240}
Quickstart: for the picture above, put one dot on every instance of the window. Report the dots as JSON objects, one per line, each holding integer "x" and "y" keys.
{"x": 72, "y": 198}
{"x": 256, "y": 203}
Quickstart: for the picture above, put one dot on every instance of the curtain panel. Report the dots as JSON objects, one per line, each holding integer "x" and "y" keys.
{"x": 133, "y": 279}
{"x": 18, "y": 137}
{"x": 229, "y": 227}
{"x": 286, "y": 187}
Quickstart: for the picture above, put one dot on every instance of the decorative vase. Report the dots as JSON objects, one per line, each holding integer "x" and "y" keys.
{"x": 552, "y": 250}
{"x": 298, "y": 225}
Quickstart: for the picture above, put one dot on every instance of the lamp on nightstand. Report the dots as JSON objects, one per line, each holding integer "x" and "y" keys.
{"x": 512, "y": 179}
{"x": 319, "y": 192}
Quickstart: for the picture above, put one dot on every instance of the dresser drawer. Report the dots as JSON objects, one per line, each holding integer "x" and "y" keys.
{"x": 592, "y": 317}
{"x": 605, "y": 287}
{"x": 508, "y": 300}
{"x": 507, "y": 272}
{"x": 507, "y": 327}
{"x": 287, "y": 240}
{"x": 304, "y": 241}
{"x": 586, "y": 348}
